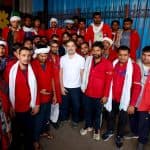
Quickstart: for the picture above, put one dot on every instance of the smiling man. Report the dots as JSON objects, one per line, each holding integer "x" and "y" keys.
{"x": 71, "y": 70}
{"x": 123, "y": 94}
{"x": 23, "y": 97}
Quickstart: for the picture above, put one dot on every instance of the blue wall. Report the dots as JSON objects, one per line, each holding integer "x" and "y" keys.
{"x": 141, "y": 23}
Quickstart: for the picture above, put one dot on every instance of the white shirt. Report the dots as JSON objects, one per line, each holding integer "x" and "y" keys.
{"x": 71, "y": 70}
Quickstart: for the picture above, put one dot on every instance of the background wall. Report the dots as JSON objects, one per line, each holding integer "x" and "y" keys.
{"x": 138, "y": 10}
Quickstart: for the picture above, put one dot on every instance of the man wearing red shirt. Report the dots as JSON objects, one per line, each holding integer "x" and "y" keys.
{"x": 143, "y": 103}
{"x": 109, "y": 53}
{"x": 13, "y": 33}
{"x": 125, "y": 90}
{"x": 54, "y": 58}
{"x": 37, "y": 27}
{"x": 43, "y": 73}
{"x": 54, "y": 29}
{"x": 128, "y": 37}
{"x": 69, "y": 26}
{"x": 24, "y": 99}
{"x": 82, "y": 27}
{"x": 97, "y": 89}
{"x": 97, "y": 30}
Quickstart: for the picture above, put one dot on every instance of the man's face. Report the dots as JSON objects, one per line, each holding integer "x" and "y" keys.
{"x": 36, "y": 40}
{"x": 127, "y": 25}
{"x": 74, "y": 37}
{"x": 146, "y": 58}
{"x": 28, "y": 22}
{"x": 2, "y": 51}
{"x": 79, "y": 41}
{"x": 37, "y": 23}
{"x": 81, "y": 25}
{"x": 71, "y": 48}
{"x": 97, "y": 19}
{"x": 54, "y": 48}
{"x": 28, "y": 44}
{"x": 84, "y": 49}
{"x": 42, "y": 58}
{"x": 96, "y": 52}
{"x": 123, "y": 56}
{"x": 24, "y": 57}
{"x": 53, "y": 24}
{"x": 14, "y": 24}
{"x": 115, "y": 26}
{"x": 69, "y": 26}
{"x": 106, "y": 45}
{"x": 16, "y": 53}
{"x": 65, "y": 38}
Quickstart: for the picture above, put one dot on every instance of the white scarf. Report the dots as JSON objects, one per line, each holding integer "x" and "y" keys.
{"x": 31, "y": 81}
{"x": 126, "y": 92}
{"x": 27, "y": 29}
{"x": 86, "y": 73}
{"x": 97, "y": 29}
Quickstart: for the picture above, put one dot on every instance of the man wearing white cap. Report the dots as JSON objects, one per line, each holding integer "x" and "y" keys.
{"x": 54, "y": 29}
{"x": 43, "y": 73}
{"x": 13, "y": 33}
{"x": 69, "y": 26}
{"x": 108, "y": 53}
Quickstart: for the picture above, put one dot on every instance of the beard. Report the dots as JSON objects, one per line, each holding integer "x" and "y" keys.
{"x": 96, "y": 56}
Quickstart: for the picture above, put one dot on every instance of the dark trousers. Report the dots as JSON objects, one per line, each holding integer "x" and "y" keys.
{"x": 22, "y": 131}
{"x": 144, "y": 127}
{"x": 133, "y": 122}
{"x": 73, "y": 97}
{"x": 122, "y": 119}
{"x": 41, "y": 121}
{"x": 93, "y": 110}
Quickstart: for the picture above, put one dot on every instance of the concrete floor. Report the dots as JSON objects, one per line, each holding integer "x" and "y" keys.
{"x": 67, "y": 138}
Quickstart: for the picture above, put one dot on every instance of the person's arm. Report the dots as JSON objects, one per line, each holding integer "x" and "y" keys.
{"x": 109, "y": 75}
{"x": 136, "y": 88}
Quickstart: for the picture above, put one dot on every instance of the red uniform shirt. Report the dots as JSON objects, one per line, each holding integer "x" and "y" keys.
{"x": 134, "y": 44}
{"x": 52, "y": 31}
{"x": 99, "y": 79}
{"x": 118, "y": 82}
{"x": 106, "y": 30}
{"x": 56, "y": 70}
{"x": 22, "y": 90}
{"x": 41, "y": 32}
{"x": 44, "y": 79}
{"x": 18, "y": 38}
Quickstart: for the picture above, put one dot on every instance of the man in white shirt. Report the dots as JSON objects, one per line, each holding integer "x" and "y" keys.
{"x": 71, "y": 71}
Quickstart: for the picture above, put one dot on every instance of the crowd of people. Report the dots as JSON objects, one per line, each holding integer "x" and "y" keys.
{"x": 46, "y": 76}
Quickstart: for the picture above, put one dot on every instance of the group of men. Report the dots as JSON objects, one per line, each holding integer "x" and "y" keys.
{"x": 87, "y": 71}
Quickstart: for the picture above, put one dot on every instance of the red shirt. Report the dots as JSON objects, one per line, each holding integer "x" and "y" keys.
{"x": 5, "y": 102}
{"x": 118, "y": 82}
{"x": 106, "y": 30}
{"x": 99, "y": 79}
{"x": 44, "y": 79}
{"x": 19, "y": 35}
{"x": 56, "y": 70}
{"x": 52, "y": 31}
{"x": 41, "y": 32}
{"x": 134, "y": 43}
{"x": 22, "y": 90}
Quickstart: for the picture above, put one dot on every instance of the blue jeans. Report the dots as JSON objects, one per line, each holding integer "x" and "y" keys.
{"x": 41, "y": 121}
{"x": 93, "y": 110}
{"x": 72, "y": 98}
{"x": 144, "y": 127}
